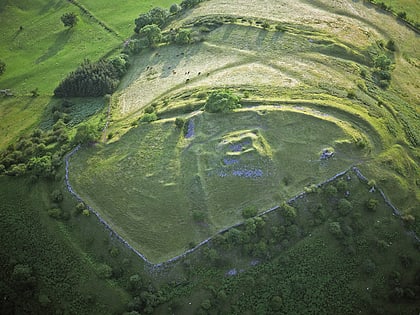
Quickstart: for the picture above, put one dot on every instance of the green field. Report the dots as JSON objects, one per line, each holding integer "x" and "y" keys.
{"x": 410, "y": 7}
{"x": 153, "y": 191}
{"x": 120, "y": 17}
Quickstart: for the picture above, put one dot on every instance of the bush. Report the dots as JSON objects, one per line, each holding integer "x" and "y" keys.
{"x": 335, "y": 229}
{"x": 391, "y": 45}
{"x": 372, "y": 204}
{"x": 344, "y": 207}
{"x": 287, "y": 211}
{"x": 183, "y": 37}
{"x": 104, "y": 271}
{"x": 157, "y": 16}
{"x": 175, "y": 8}
{"x": 148, "y": 117}
{"x": 55, "y": 213}
{"x": 56, "y": 196}
{"x": 249, "y": 212}
{"x": 222, "y": 102}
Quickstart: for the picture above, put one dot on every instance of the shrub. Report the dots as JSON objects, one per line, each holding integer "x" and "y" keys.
{"x": 335, "y": 229}
{"x": 341, "y": 185}
{"x": 55, "y": 213}
{"x": 183, "y": 37}
{"x": 287, "y": 211}
{"x": 249, "y": 212}
{"x": 344, "y": 207}
{"x": 372, "y": 204}
{"x": 148, "y": 117}
{"x": 104, "y": 271}
{"x": 382, "y": 62}
{"x": 391, "y": 45}
{"x": 330, "y": 190}
{"x": 351, "y": 94}
{"x": 56, "y": 196}
{"x": 222, "y": 102}
{"x": 174, "y": 8}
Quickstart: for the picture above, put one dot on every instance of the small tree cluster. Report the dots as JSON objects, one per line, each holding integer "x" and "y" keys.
{"x": 69, "y": 19}
{"x": 222, "y": 102}
{"x": 38, "y": 154}
{"x": 93, "y": 78}
{"x": 382, "y": 72}
{"x": 157, "y": 16}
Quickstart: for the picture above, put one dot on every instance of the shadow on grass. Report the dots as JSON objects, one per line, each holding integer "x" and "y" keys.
{"x": 51, "y": 5}
{"x": 60, "y": 41}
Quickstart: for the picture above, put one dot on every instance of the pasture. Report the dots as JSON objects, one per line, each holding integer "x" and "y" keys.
{"x": 162, "y": 191}
{"x": 120, "y": 16}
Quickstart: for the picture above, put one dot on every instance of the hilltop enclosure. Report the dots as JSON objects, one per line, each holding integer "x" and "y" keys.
{"x": 210, "y": 157}
{"x": 310, "y": 77}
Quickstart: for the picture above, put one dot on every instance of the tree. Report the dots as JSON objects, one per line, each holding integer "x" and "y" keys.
{"x": 156, "y": 16}
{"x": 174, "y": 8}
{"x": 222, "y": 102}
{"x": 104, "y": 271}
{"x": 41, "y": 166}
{"x": 344, "y": 207}
{"x": 372, "y": 204}
{"x": 69, "y": 19}
{"x": 85, "y": 133}
{"x": 183, "y": 37}
{"x": 287, "y": 211}
{"x": 152, "y": 34}
{"x": 2, "y": 67}
{"x": 249, "y": 212}
{"x": 383, "y": 62}
{"x": 335, "y": 229}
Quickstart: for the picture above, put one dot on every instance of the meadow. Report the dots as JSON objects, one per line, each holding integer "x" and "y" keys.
{"x": 121, "y": 17}
{"x": 165, "y": 192}
{"x": 39, "y": 52}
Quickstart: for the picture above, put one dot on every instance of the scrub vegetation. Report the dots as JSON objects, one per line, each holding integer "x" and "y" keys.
{"x": 209, "y": 157}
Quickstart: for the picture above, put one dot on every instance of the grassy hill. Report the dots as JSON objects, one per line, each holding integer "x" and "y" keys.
{"x": 313, "y": 77}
